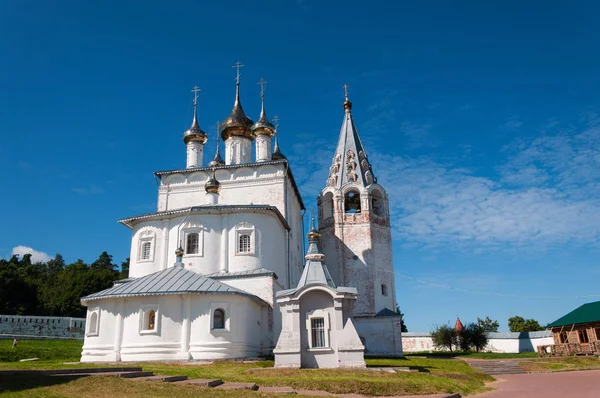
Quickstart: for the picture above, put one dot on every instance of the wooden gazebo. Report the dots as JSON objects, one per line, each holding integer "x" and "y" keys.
{"x": 577, "y": 333}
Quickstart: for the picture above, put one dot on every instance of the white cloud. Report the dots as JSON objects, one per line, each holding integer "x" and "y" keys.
{"x": 36, "y": 256}
{"x": 91, "y": 190}
{"x": 544, "y": 195}
{"x": 513, "y": 123}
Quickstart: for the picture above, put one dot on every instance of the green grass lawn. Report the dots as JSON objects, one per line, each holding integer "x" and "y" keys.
{"x": 436, "y": 375}
{"x": 64, "y": 350}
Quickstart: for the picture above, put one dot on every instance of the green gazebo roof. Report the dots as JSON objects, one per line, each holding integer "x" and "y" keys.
{"x": 587, "y": 313}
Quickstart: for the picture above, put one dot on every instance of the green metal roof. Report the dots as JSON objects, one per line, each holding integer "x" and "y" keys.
{"x": 587, "y": 313}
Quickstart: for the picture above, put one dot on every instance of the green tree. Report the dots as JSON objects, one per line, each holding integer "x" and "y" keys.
{"x": 124, "y": 269}
{"x": 472, "y": 336}
{"x": 403, "y": 327}
{"x": 444, "y": 337}
{"x": 520, "y": 324}
{"x": 488, "y": 325}
{"x": 104, "y": 262}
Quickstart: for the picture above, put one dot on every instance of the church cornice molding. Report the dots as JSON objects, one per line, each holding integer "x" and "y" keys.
{"x": 193, "y": 187}
{"x": 216, "y": 209}
{"x": 284, "y": 162}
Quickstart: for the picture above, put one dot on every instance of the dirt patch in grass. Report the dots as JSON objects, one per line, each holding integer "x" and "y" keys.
{"x": 560, "y": 364}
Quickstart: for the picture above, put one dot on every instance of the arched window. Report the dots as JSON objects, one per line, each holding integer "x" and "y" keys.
{"x": 219, "y": 319}
{"x": 384, "y": 289}
{"x": 327, "y": 205}
{"x": 377, "y": 203}
{"x": 352, "y": 202}
{"x": 145, "y": 254}
{"x": 192, "y": 243}
{"x": 151, "y": 320}
{"x": 146, "y": 245}
{"x": 245, "y": 238}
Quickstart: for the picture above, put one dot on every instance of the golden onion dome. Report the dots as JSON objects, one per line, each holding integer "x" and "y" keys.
{"x": 237, "y": 124}
{"x": 195, "y": 133}
{"x": 212, "y": 185}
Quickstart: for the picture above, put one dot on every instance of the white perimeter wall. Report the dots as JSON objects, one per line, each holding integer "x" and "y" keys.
{"x": 498, "y": 342}
{"x": 41, "y": 326}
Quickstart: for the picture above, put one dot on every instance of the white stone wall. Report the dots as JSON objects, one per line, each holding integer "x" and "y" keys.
{"x": 41, "y": 326}
{"x": 263, "y": 147}
{"x": 258, "y": 184}
{"x": 498, "y": 342}
{"x": 381, "y": 336}
{"x": 218, "y": 243}
{"x": 183, "y": 329}
{"x": 238, "y": 150}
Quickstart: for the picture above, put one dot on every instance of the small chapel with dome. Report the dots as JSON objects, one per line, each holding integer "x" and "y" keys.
{"x": 218, "y": 270}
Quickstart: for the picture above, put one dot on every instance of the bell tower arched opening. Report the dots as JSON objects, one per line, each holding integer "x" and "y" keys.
{"x": 327, "y": 206}
{"x": 352, "y": 202}
{"x": 377, "y": 203}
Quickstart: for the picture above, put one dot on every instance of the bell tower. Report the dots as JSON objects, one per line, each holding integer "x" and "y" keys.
{"x": 354, "y": 223}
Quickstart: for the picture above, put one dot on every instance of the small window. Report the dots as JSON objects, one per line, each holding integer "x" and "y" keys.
{"x": 244, "y": 244}
{"x": 563, "y": 337}
{"x": 597, "y": 330}
{"x": 317, "y": 326}
{"x": 149, "y": 319}
{"x": 245, "y": 237}
{"x": 193, "y": 243}
{"x": 219, "y": 319}
{"x": 145, "y": 254}
{"x": 583, "y": 336}
{"x": 384, "y": 289}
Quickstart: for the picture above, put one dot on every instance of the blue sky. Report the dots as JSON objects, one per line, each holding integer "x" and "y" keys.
{"x": 481, "y": 119}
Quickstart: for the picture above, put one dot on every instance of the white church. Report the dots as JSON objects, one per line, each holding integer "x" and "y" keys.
{"x": 218, "y": 271}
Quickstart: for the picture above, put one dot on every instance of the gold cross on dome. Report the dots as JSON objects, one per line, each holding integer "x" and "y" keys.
{"x": 195, "y": 90}
{"x": 346, "y": 87}
{"x": 238, "y": 65}
{"x": 262, "y": 83}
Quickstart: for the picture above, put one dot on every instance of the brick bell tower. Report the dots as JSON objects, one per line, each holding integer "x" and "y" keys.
{"x": 354, "y": 223}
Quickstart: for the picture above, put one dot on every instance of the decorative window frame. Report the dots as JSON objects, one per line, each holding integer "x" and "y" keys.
{"x": 309, "y": 317}
{"x": 144, "y": 309}
{"x": 190, "y": 230}
{"x": 90, "y": 324}
{"x": 245, "y": 228}
{"x": 145, "y": 237}
{"x": 226, "y": 308}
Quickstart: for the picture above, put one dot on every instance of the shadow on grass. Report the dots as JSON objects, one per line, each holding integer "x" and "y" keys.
{"x": 22, "y": 382}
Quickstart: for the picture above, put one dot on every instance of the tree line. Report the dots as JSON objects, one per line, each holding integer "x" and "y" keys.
{"x": 474, "y": 336}
{"x": 54, "y": 288}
